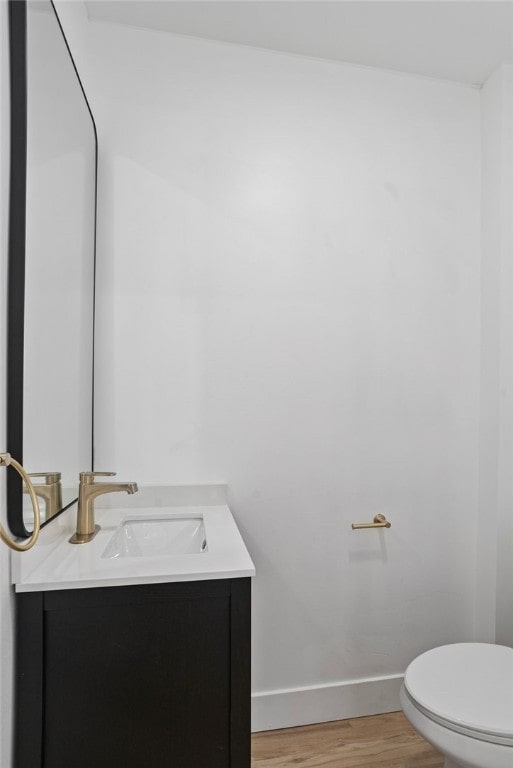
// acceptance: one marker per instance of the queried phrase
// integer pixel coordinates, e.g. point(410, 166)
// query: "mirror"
point(51, 265)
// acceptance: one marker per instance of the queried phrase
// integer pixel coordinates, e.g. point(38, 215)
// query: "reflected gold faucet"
point(50, 491)
point(88, 491)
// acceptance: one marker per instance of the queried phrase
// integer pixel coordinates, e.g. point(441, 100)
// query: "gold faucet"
point(50, 491)
point(88, 491)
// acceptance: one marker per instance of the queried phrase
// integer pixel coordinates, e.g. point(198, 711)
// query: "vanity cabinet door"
point(152, 676)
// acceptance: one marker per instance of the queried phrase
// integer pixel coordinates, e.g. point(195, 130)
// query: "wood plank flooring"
point(382, 741)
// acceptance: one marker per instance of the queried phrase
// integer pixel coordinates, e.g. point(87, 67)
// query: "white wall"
point(299, 242)
point(6, 607)
point(496, 507)
point(289, 300)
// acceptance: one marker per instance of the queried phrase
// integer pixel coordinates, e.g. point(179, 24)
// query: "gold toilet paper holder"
point(379, 521)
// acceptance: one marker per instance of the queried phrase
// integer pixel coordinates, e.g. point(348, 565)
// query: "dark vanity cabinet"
point(149, 676)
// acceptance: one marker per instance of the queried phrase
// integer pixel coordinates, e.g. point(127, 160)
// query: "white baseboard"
point(289, 707)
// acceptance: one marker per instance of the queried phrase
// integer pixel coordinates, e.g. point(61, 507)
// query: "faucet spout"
point(98, 489)
point(88, 491)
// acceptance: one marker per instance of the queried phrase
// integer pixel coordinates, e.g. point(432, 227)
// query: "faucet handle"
point(88, 477)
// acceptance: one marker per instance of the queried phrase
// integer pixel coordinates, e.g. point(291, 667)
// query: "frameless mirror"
point(51, 264)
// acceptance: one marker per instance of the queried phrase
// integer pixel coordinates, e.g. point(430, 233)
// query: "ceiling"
point(461, 40)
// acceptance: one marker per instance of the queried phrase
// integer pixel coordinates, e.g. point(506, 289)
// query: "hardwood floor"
point(382, 741)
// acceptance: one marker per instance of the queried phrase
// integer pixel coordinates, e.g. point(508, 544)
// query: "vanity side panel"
point(29, 681)
point(240, 673)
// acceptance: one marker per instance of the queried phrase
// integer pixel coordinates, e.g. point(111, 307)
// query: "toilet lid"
point(467, 686)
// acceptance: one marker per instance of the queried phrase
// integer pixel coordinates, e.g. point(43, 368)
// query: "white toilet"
point(460, 699)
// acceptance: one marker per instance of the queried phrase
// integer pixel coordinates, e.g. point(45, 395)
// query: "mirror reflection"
point(59, 276)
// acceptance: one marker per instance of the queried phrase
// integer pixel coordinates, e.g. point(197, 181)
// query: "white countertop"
point(54, 563)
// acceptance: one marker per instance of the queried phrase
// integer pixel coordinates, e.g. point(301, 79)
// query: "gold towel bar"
point(380, 521)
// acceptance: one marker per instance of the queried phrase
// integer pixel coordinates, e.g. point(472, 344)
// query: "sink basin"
point(147, 537)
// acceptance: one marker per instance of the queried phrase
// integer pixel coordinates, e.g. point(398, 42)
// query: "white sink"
point(147, 537)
